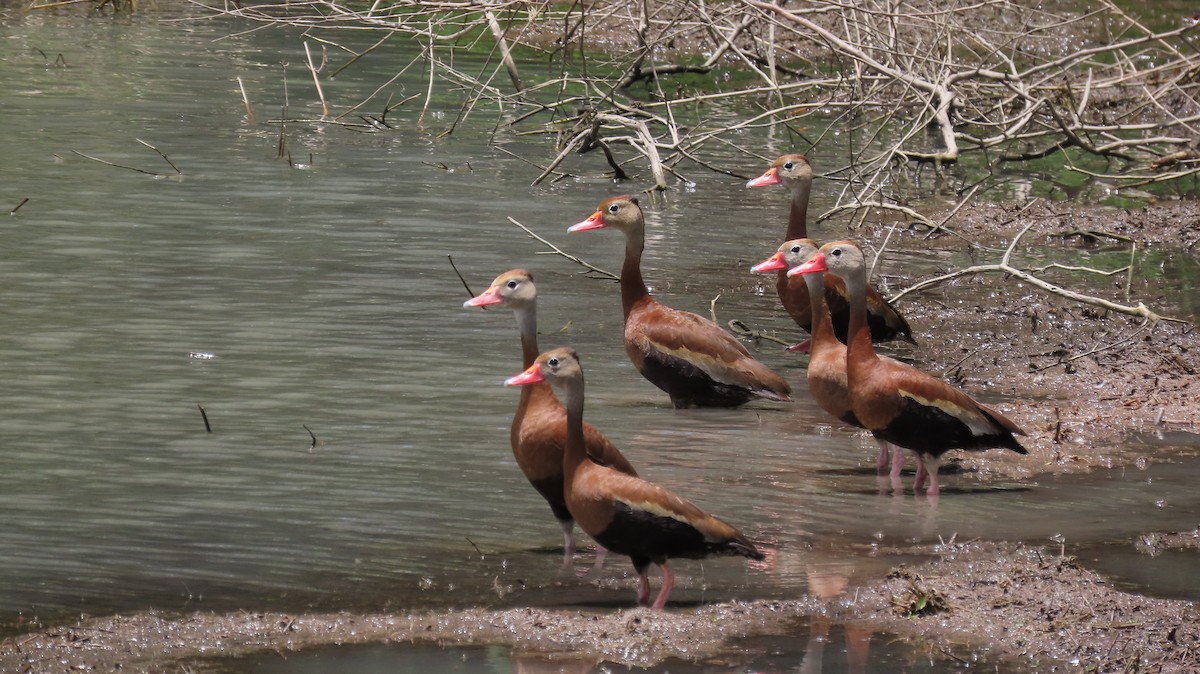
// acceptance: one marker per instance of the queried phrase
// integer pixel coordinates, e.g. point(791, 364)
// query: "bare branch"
point(592, 270)
point(1006, 267)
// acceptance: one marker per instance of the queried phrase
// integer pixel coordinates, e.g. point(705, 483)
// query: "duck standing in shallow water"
point(626, 514)
point(827, 356)
point(897, 402)
point(691, 358)
point(539, 432)
point(794, 171)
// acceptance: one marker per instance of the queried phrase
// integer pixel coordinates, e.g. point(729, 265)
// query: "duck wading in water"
point(539, 429)
point(794, 172)
point(626, 514)
point(826, 356)
point(897, 402)
point(696, 362)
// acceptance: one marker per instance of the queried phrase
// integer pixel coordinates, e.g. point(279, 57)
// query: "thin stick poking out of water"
point(476, 547)
point(160, 153)
point(317, 81)
point(18, 206)
point(134, 168)
point(460, 277)
point(246, 100)
point(108, 163)
point(204, 415)
point(594, 271)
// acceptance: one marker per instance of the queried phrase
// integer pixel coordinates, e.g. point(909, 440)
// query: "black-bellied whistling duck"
point(691, 358)
point(539, 427)
point(627, 514)
point(794, 171)
point(897, 402)
point(827, 355)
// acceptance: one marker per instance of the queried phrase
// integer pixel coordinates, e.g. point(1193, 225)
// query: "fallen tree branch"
point(505, 54)
point(915, 85)
point(1005, 267)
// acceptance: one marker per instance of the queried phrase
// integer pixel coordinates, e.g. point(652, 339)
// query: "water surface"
point(283, 298)
point(812, 648)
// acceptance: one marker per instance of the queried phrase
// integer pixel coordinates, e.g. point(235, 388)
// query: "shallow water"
point(325, 299)
point(813, 647)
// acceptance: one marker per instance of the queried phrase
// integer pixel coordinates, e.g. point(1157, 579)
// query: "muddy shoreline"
point(1077, 379)
point(1009, 601)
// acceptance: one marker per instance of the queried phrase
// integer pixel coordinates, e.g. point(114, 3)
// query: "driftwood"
point(1005, 266)
point(921, 82)
point(920, 87)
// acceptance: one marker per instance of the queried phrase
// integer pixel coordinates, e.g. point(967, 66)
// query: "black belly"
point(551, 489)
point(689, 386)
point(929, 430)
point(647, 537)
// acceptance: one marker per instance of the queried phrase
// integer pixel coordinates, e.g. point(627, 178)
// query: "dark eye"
point(553, 362)
point(512, 284)
point(836, 252)
point(789, 165)
point(613, 208)
point(795, 249)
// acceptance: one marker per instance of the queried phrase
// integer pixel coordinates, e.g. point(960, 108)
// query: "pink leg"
point(890, 480)
point(601, 555)
point(885, 451)
point(932, 469)
point(889, 485)
point(919, 481)
point(667, 583)
point(897, 461)
point(568, 529)
point(643, 590)
point(801, 347)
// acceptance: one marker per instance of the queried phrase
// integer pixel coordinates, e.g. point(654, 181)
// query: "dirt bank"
point(1034, 604)
point(1010, 601)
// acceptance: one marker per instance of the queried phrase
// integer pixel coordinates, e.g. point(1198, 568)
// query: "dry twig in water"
point(134, 168)
point(592, 270)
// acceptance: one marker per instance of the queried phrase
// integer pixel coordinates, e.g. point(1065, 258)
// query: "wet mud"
point(1012, 601)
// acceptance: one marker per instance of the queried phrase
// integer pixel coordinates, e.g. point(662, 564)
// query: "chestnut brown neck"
point(822, 323)
point(576, 452)
point(798, 216)
point(527, 327)
point(858, 336)
point(633, 286)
